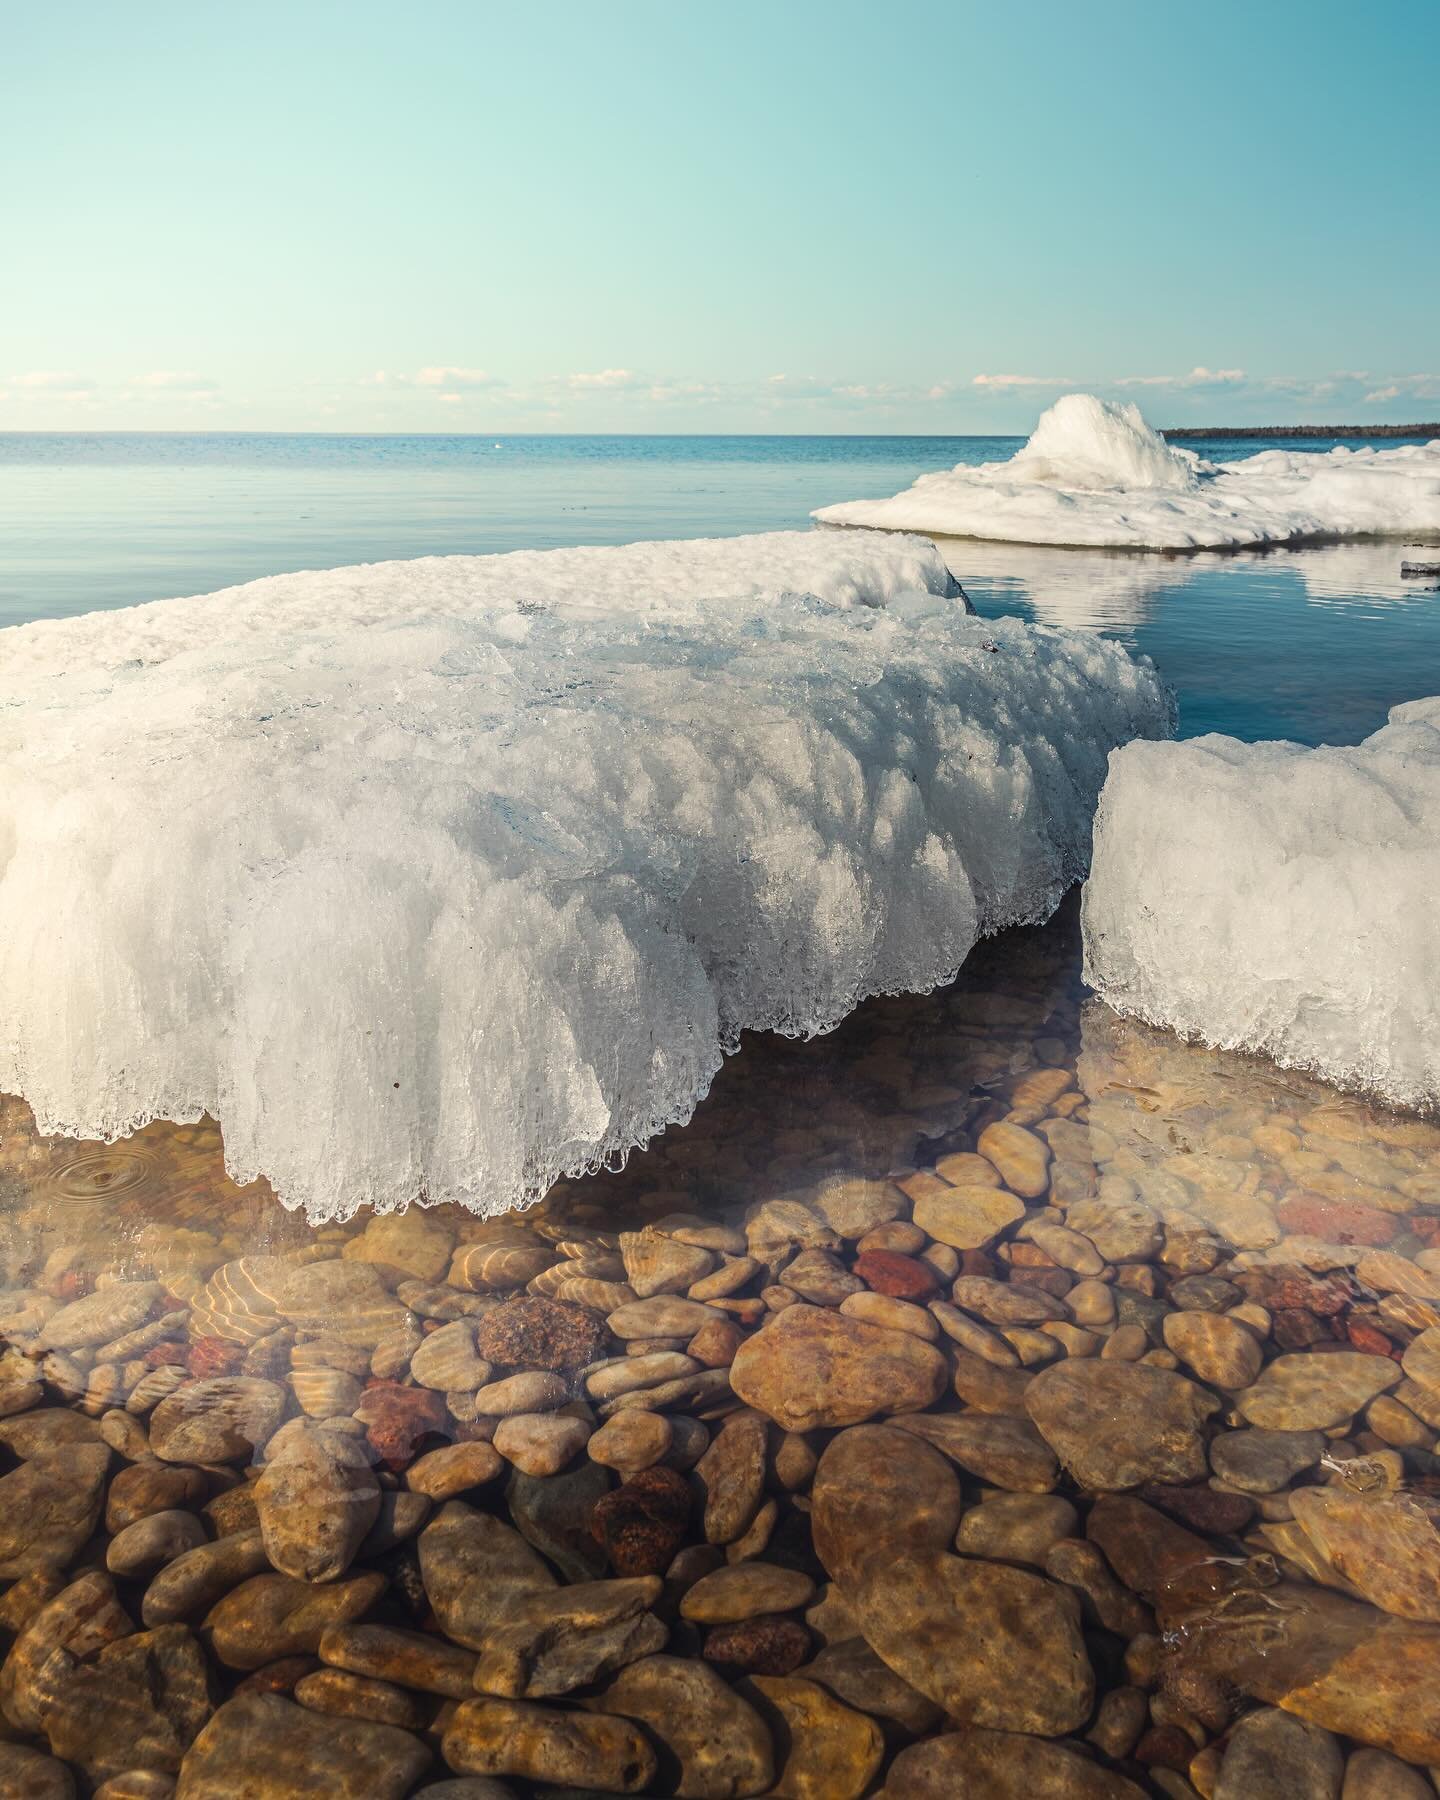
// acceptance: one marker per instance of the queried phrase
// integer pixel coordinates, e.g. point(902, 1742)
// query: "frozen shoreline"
point(1094, 474)
point(442, 880)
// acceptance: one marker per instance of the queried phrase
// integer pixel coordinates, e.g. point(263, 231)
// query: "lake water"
point(1313, 645)
point(1148, 1335)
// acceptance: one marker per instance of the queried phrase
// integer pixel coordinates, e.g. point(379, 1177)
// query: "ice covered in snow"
point(440, 879)
point(1272, 898)
point(1094, 473)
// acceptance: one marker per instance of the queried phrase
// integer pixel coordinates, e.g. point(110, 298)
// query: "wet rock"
point(533, 1332)
point(824, 1750)
point(1104, 1600)
point(540, 1443)
point(1016, 1527)
point(411, 1659)
point(190, 1585)
point(139, 1704)
point(454, 1469)
point(140, 1550)
point(712, 1744)
point(1202, 1507)
point(413, 1240)
point(852, 1206)
point(548, 1745)
point(731, 1476)
point(901, 1277)
point(554, 1513)
point(1376, 1775)
point(272, 1616)
point(398, 1420)
point(493, 1265)
point(49, 1506)
point(997, 1765)
point(820, 1277)
point(1005, 1303)
point(1263, 1462)
point(1216, 1349)
point(316, 1504)
point(346, 1696)
point(1314, 1393)
point(534, 1391)
point(1122, 1228)
point(852, 1671)
point(300, 1752)
point(152, 1487)
point(81, 1619)
point(745, 1591)
point(992, 1645)
point(1422, 1360)
point(448, 1361)
point(1005, 1452)
point(549, 1642)
point(1271, 1756)
point(776, 1227)
point(641, 1524)
point(27, 1774)
point(474, 1567)
point(1116, 1424)
point(631, 1441)
point(655, 1264)
point(1021, 1158)
point(812, 1367)
point(714, 1346)
point(967, 1217)
point(108, 1313)
point(1385, 1545)
point(237, 1303)
point(220, 1420)
point(767, 1645)
point(347, 1299)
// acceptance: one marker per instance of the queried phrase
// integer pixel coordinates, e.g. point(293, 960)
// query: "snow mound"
point(436, 881)
point(1272, 898)
point(1095, 474)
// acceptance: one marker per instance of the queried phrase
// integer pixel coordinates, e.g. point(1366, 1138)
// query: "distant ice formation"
point(438, 880)
point(1271, 898)
point(1095, 474)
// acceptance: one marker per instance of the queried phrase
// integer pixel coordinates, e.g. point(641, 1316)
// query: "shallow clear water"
point(1313, 645)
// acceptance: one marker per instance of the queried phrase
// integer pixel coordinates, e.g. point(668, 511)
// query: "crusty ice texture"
point(1271, 898)
point(1094, 473)
point(438, 880)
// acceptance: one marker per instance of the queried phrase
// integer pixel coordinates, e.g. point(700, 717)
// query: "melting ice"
point(1094, 473)
point(1272, 898)
point(438, 880)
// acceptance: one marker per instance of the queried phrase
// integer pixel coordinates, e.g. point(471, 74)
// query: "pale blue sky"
point(775, 217)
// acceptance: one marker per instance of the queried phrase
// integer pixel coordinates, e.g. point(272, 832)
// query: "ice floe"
point(438, 880)
point(1277, 899)
point(1095, 474)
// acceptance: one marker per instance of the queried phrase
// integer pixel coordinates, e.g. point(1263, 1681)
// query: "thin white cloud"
point(64, 381)
point(176, 381)
point(1003, 382)
point(1199, 377)
point(605, 378)
point(446, 375)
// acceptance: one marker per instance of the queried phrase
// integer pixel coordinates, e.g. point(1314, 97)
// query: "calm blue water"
point(1313, 645)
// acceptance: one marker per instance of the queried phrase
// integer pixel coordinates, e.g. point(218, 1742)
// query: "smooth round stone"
point(813, 1367)
point(1273, 1756)
point(1021, 1157)
point(967, 1218)
point(1421, 1360)
point(413, 1240)
point(196, 1581)
point(632, 1440)
point(548, 1745)
point(628, 1373)
point(536, 1391)
point(1016, 1527)
point(1091, 1303)
point(1263, 1462)
point(1067, 1249)
point(719, 1741)
point(1127, 1343)
point(137, 1784)
point(899, 1235)
point(448, 1361)
point(893, 1314)
point(854, 1206)
point(540, 1443)
point(1376, 1775)
point(152, 1487)
point(1001, 1765)
point(273, 1616)
point(972, 1336)
point(1001, 1303)
point(667, 1315)
point(746, 1590)
point(1315, 1393)
point(824, 1746)
point(965, 1168)
point(219, 1420)
point(316, 1504)
point(28, 1774)
point(49, 1506)
point(1122, 1228)
point(348, 1696)
point(1217, 1349)
point(150, 1543)
point(102, 1316)
point(50, 1428)
point(655, 1264)
point(1389, 1549)
point(300, 1752)
point(1116, 1424)
point(1388, 1273)
point(453, 1469)
point(410, 1659)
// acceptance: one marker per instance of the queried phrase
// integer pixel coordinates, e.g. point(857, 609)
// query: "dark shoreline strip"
point(1182, 432)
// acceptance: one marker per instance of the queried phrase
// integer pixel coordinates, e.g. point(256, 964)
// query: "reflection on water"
point(1314, 645)
point(989, 1363)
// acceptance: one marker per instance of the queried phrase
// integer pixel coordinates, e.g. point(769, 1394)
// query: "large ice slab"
point(439, 880)
point(1272, 898)
point(1094, 473)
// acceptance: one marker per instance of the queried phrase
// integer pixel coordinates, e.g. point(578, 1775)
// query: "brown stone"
point(813, 1367)
point(1315, 1393)
point(1385, 1544)
point(222, 1420)
point(716, 1740)
point(398, 1420)
point(824, 1750)
point(547, 1745)
point(998, 1765)
point(1116, 1424)
point(271, 1616)
point(731, 1476)
point(532, 1332)
point(49, 1506)
point(1005, 1452)
point(139, 1704)
point(262, 1738)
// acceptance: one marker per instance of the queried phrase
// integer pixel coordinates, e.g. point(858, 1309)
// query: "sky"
point(779, 217)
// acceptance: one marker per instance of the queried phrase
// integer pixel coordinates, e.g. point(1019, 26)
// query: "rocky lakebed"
point(995, 1398)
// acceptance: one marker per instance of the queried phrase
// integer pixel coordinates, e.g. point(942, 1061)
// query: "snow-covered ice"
point(1272, 898)
point(1094, 473)
point(441, 879)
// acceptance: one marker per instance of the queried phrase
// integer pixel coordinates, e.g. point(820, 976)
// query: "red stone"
point(977, 1262)
point(1367, 1337)
point(1294, 1328)
point(1165, 1747)
point(535, 1332)
point(208, 1356)
point(398, 1419)
point(72, 1285)
point(642, 1522)
point(901, 1277)
point(1202, 1508)
point(768, 1645)
point(1336, 1221)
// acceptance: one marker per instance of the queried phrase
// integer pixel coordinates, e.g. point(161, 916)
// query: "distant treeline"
point(1303, 431)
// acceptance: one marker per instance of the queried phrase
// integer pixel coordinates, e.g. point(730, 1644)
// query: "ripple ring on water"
point(101, 1173)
